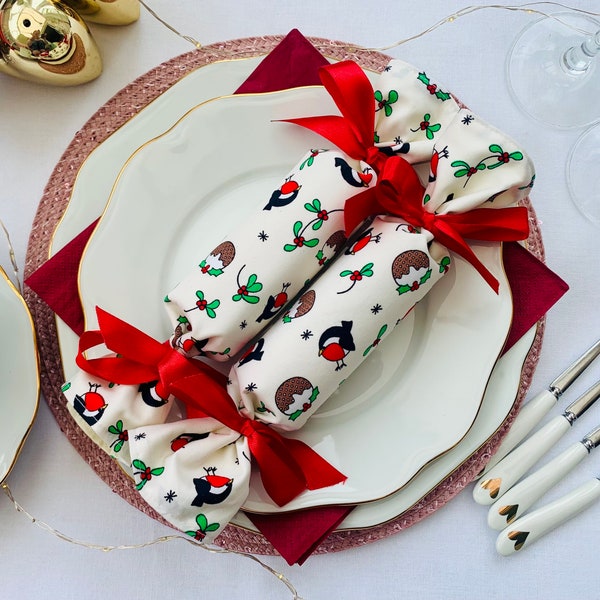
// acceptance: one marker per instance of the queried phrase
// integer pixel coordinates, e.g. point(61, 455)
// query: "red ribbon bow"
point(287, 466)
point(354, 132)
point(399, 192)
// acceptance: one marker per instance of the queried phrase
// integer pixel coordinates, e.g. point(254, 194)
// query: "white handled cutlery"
point(526, 530)
point(515, 502)
point(537, 408)
point(514, 465)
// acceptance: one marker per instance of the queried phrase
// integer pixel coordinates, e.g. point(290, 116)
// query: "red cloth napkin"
point(293, 63)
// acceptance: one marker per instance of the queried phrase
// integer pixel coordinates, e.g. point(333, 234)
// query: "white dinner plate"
point(19, 374)
point(90, 193)
point(179, 195)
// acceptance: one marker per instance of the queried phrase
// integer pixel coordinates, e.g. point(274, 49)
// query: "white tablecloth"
point(448, 555)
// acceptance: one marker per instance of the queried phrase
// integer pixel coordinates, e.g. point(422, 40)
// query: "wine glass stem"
point(577, 59)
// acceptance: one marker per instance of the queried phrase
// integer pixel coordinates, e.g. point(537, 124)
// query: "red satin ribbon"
point(398, 192)
point(287, 466)
point(354, 132)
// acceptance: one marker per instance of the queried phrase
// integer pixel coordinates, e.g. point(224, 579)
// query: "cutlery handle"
point(529, 416)
point(519, 498)
point(512, 467)
point(526, 530)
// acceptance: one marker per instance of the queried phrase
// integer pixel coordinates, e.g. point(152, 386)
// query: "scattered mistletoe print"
point(429, 128)
point(263, 409)
point(122, 435)
point(145, 473)
point(299, 229)
point(204, 527)
point(311, 159)
point(247, 292)
point(336, 343)
point(295, 396)
point(410, 270)
point(529, 185)
point(285, 195)
point(432, 88)
point(498, 158)
point(376, 341)
point(215, 263)
point(357, 275)
point(202, 304)
point(445, 264)
point(385, 104)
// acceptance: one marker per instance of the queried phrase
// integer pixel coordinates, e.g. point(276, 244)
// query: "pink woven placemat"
point(117, 111)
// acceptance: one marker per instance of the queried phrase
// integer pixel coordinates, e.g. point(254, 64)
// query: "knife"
point(519, 498)
point(537, 408)
point(526, 530)
point(514, 465)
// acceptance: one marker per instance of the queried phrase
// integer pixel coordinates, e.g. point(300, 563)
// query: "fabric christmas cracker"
point(440, 175)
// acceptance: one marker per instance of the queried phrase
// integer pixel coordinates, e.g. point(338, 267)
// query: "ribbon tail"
point(318, 472)
point(449, 238)
point(358, 208)
point(335, 129)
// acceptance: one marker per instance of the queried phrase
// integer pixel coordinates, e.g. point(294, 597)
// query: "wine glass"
point(553, 74)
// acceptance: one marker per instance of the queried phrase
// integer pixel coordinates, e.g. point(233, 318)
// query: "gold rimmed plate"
point(19, 374)
point(185, 190)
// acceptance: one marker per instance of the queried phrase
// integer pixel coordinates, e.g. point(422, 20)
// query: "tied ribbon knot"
point(287, 466)
point(399, 193)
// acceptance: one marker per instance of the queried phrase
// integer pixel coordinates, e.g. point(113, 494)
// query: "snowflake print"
point(387, 68)
point(376, 309)
point(244, 324)
point(467, 119)
point(139, 436)
point(262, 236)
point(251, 387)
point(306, 334)
point(170, 496)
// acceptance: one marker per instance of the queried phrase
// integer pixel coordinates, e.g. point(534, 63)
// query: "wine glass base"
point(583, 174)
point(540, 85)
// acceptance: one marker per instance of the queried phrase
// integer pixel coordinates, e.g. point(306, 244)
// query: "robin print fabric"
point(297, 312)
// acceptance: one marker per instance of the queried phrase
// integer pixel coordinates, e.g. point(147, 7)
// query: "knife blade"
point(515, 502)
point(539, 406)
point(530, 528)
point(514, 465)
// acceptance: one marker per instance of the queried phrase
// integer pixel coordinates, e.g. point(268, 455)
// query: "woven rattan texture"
point(117, 111)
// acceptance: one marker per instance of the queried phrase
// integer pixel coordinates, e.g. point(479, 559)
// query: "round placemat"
point(117, 111)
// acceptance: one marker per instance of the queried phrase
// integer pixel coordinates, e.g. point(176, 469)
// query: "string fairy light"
point(159, 540)
point(529, 8)
point(13, 259)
